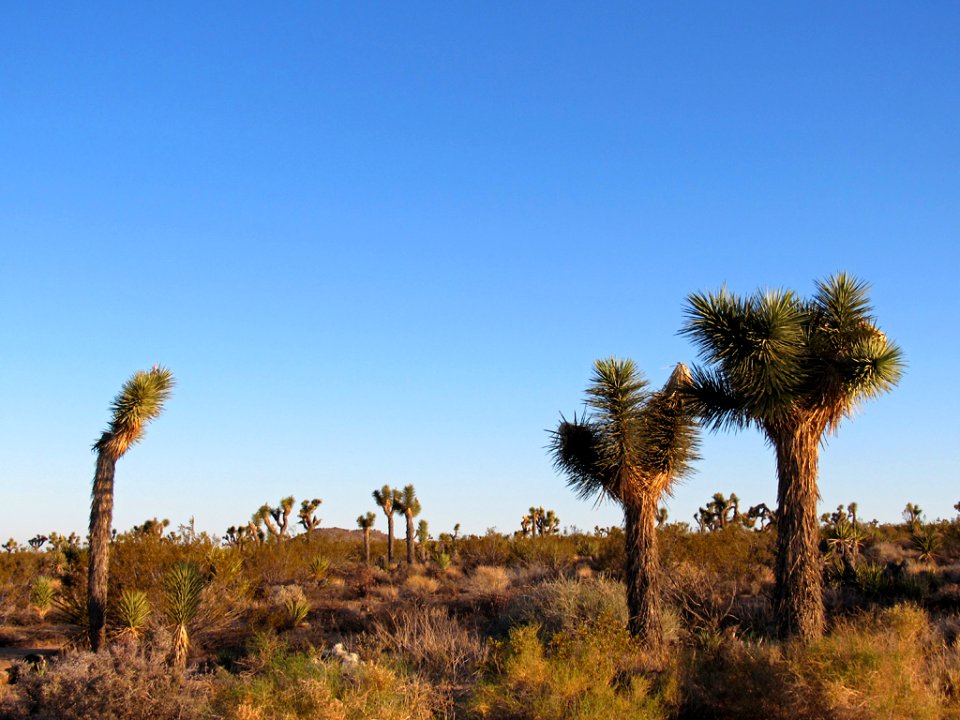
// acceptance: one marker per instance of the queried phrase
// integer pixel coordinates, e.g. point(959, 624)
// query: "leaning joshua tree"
point(793, 368)
point(386, 497)
point(408, 505)
point(140, 400)
point(633, 448)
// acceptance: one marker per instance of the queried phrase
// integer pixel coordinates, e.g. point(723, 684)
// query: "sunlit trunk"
point(410, 533)
point(643, 574)
point(798, 595)
point(101, 518)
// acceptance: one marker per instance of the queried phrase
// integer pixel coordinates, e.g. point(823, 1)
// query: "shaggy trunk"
point(643, 574)
point(798, 595)
point(366, 545)
point(101, 518)
point(390, 538)
point(409, 538)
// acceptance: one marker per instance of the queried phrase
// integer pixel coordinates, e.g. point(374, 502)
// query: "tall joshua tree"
point(386, 497)
point(140, 401)
point(365, 522)
point(793, 368)
point(633, 448)
point(408, 505)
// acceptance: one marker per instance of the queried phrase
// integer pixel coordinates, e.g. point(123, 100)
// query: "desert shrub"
point(592, 672)
point(555, 552)
point(429, 640)
point(704, 598)
point(564, 604)
point(875, 666)
point(421, 585)
point(289, 686)
point(487, 580)
point(489, 549)
point(124, 683)
point(319, 568)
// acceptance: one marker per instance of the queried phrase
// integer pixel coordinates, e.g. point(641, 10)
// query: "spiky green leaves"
point(407, 503)
point(140, 400)
point(773, 355)
point(365, 522)
point(633, 442)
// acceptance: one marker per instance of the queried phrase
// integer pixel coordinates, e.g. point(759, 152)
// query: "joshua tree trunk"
point(409, 538)
point(798, 594)
point(101, 518)
point(643, 573)
point(390, 538)
point(366, 545)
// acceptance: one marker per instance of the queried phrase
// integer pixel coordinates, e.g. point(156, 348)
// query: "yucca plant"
point(133, 612)
point(926, 540)
point(297, 609)
point(632, 450)
point(42, 595)
point(794, 368)
point(319, 568)
point(139, 402)
point(182, 590)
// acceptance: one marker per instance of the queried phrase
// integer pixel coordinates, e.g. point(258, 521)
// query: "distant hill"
point(342, 534)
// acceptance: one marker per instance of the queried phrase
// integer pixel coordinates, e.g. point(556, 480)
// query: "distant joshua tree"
point(912, 513)
point(633, 449)
point(408, 505)
point(151, 528)
point(365, 522)
point(277, 519)
point(386, 497)
point(794, 368)
point(307, 516)
point(139, 402)
point(423, 537)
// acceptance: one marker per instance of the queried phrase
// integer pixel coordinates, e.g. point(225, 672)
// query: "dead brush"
point(431, 641)
point(704, 601)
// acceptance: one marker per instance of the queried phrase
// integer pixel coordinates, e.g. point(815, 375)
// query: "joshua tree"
point(11, 545)
point(386, 497)
point(140, 400)
point(912, 514)
point(408, 505)
point(794, 368)
point(151, 528)
point(365, 522)
point(423, 537)
point(852, 509)
point(633, 449)
point(37, 541)
point(307, 516)
point(277, 518)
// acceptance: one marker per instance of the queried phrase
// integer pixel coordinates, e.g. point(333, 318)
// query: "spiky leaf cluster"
point(140, 400)
point(633, 441)
point(773, 357)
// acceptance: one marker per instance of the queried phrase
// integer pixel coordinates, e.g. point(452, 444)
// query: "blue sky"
point(384, 242)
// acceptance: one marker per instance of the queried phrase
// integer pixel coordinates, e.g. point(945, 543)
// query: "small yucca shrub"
point(182, 588)
point(319, 568)
point(42, 595)
point(132, 614)
point(927, 542)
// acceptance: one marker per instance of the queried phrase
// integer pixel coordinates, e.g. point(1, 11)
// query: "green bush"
point(588, 673)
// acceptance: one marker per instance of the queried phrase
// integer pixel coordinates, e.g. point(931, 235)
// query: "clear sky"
point(384, 242)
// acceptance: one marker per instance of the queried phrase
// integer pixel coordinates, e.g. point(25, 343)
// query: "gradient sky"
point(384, 242)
